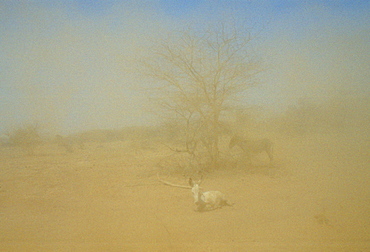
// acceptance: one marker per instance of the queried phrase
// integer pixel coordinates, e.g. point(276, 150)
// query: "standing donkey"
point(251, 147)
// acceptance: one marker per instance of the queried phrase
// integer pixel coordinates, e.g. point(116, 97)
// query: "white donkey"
point(207, 201)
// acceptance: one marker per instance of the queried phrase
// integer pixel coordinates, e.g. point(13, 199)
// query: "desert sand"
point(106, 197)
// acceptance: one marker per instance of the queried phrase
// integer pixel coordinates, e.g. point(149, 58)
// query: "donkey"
point(250, 147)
point(207, 201)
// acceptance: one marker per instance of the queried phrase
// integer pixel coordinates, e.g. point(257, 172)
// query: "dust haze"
point(81, 148)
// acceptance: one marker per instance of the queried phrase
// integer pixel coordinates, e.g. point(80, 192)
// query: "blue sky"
point(67, 65)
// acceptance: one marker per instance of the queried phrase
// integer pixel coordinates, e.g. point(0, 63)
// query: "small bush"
point(26, 137)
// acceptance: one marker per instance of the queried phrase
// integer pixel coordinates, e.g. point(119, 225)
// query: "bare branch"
point(171, 184)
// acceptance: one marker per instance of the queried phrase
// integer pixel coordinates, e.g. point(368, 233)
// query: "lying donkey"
point(207, 201)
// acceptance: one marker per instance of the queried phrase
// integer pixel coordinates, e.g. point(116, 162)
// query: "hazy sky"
point(67, 64)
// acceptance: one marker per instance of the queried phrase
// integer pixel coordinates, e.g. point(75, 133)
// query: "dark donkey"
point(251, 147)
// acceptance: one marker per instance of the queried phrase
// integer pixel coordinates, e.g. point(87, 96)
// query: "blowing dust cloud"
point(184, 126)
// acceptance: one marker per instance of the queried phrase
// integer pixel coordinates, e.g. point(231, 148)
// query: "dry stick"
point(171, 184)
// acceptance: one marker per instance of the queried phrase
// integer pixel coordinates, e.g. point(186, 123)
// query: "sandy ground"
point(106, 197)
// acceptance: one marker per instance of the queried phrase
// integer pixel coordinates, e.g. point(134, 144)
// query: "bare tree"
point(200, 76)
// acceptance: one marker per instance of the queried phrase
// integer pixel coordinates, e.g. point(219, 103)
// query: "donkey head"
point(197, 194)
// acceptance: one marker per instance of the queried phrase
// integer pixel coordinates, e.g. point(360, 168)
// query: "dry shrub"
point(26, 137)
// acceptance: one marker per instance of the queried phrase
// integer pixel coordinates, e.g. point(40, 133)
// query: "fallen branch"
point(171, 184)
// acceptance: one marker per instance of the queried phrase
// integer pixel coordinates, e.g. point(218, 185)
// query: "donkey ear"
point(191, 183)
point(200, 180)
